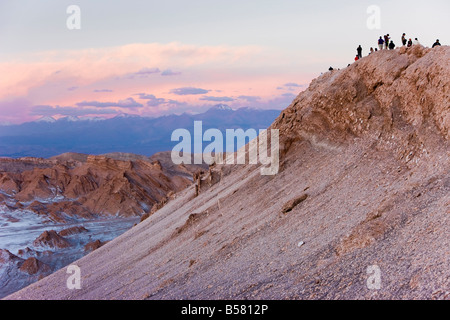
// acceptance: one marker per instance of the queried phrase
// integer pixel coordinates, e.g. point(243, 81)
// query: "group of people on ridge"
point(385, 42)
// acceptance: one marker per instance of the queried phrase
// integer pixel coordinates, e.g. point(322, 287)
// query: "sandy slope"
point(368, 145)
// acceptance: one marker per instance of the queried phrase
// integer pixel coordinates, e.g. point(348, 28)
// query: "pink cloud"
point(50, 78)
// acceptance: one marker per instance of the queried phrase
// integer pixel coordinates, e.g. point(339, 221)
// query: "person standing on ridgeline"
point(436, 43)
point(404, 39)
point(359, 50)
point(416, 41)
point(391, 45)
point(386, 41)
point(380, 43)
point(410, 43)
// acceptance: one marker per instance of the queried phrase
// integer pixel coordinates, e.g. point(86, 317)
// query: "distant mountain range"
point(47, 137)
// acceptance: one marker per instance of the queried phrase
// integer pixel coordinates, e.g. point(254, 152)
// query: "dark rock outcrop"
point(94, 245)
point(51, 239)
point(33, 266)
point(72, 231)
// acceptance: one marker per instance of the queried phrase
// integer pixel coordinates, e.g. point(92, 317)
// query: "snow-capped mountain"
point(221, 107)
point(46, 119)
point(70, 119)
point(92, 119)
point(127, 116)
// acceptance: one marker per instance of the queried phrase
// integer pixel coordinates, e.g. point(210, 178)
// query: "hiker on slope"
point(410, 43)
point(391, 45)
point(380, 43)
point(386, 41)
point(437, 43)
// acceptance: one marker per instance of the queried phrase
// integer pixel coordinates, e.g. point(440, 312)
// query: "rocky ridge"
point(90, 186)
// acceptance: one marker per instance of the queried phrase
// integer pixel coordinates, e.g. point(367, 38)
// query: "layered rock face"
point(89, 186)
point(400, 97)
point(51, 239)
point(33, 266)
point(364, 185)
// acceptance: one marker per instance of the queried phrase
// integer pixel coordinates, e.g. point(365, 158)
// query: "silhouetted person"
point(380, 43)
point(404, 39)
point(410, 43)
point(391, 45)
point(386, 41)
point(436, 43)
point(330, 69)
point(359, 50)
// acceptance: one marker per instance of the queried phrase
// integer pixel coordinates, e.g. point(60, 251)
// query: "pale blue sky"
point(288, 25)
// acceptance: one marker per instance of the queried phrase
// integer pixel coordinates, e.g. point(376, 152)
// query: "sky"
point(153, 58)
